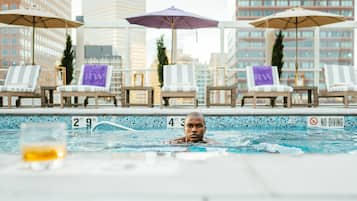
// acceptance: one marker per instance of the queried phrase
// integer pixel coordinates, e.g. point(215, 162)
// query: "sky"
point(198, 43)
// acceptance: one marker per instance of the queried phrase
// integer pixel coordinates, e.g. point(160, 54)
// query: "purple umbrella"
point(172, 18)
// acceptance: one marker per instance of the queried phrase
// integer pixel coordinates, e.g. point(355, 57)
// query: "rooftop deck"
point(183, 176)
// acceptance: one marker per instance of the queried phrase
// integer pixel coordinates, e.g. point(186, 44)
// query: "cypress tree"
point(161, 58)
point(67, 59)
point(278, 52)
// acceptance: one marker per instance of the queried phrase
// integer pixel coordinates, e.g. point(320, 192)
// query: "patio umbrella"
point(172, 18)
point(35, 18)
point(297, 18)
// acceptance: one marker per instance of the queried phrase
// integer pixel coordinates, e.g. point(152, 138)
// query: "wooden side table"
point(311, 94)
point(125, 100)
point(233, 94)
point(47, 98)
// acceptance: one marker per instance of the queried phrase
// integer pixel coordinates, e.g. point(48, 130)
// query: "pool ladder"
point(112, 124)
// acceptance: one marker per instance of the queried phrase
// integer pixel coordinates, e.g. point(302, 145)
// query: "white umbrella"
point(297, 18)
point(35, 18)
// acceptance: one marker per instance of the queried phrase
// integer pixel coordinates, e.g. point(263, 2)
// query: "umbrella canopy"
point(297, 18)
point(35, 18)
point(172, 18)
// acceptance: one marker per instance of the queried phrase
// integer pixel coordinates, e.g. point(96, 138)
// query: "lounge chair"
point(94, 81)
point(263, 82)
point(20, 81)
point(179, 82)
point(340, 81)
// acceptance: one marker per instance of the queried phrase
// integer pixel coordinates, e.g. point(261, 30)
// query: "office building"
point(336, 45)
point(111, 13)
point(16, 42)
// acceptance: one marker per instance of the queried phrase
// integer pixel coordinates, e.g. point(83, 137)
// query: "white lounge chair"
point(20, 81)
point(263, 82)
point(94, 81)
point(179, 82)
point(340, 81)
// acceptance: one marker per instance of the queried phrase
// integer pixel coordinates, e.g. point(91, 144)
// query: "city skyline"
point(192, 42)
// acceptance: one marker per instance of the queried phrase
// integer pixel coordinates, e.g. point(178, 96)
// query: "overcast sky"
point(198, 43)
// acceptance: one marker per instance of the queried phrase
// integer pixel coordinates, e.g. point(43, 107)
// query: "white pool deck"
point(212, 176)
point(183, 176)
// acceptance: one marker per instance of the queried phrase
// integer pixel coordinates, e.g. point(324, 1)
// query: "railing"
point(219, 76)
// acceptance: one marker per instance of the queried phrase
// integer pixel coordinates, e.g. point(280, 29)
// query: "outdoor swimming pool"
point(245, 141)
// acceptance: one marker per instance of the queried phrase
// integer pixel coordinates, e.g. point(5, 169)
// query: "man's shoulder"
point(178, 140)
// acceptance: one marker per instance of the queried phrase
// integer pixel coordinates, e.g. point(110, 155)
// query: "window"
point(13, 6)
point(346, 3)
point(256, 2)
point(255, 13)
point(308, 3)
point(268, 2)
point(321, 3)
point(243, 3)
point(4, 52)
point(346, 13)
point(4, 6)
point(243, 13)
point(295, 3)
point(282, 3)
point(268, 12)
point(334, 2)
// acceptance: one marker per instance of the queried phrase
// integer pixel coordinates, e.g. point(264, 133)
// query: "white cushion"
point(2, 88)
point(25, 77)
point(179, 88)
point(18, 89)
point(271, 88)
point(81, 88)
point(343, 88)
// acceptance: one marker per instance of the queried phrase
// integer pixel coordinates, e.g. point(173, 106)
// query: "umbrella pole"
point(296, 53)
point(33, 41)
point(173, 41)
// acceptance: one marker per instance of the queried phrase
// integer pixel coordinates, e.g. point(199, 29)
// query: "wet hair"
point(196, 115)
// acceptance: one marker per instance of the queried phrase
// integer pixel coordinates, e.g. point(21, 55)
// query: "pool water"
point(234, 141)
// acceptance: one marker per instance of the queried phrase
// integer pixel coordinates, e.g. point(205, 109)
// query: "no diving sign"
point(325, 122)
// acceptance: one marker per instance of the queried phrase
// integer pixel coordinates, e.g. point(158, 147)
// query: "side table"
point(233, 94)
point(47, 95)
point(311, 94)
point(125, 101)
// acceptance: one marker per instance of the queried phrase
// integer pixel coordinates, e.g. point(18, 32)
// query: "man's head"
point(195, 127)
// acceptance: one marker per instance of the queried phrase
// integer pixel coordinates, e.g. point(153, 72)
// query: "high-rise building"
point(16, 42)
point(336, 46)
point(111, 13)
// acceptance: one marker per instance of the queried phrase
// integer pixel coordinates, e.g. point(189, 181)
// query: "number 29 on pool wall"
point(175, 122)
point(83, 122)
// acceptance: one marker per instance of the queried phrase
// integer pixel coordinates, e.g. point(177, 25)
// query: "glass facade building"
point(16, 41)
point(336, 45)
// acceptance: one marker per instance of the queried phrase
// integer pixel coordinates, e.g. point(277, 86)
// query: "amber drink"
point(43, 146)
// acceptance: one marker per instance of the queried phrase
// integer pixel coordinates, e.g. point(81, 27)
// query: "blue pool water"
point(234, 141)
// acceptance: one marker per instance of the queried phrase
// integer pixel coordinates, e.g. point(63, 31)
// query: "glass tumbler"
point(43, 145)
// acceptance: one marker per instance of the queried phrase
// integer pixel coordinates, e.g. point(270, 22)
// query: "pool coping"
point(183, 111)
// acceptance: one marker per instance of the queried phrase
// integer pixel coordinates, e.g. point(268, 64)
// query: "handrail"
point(112, 124)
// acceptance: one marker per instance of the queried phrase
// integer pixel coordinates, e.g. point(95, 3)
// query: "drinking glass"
point(43, 145)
